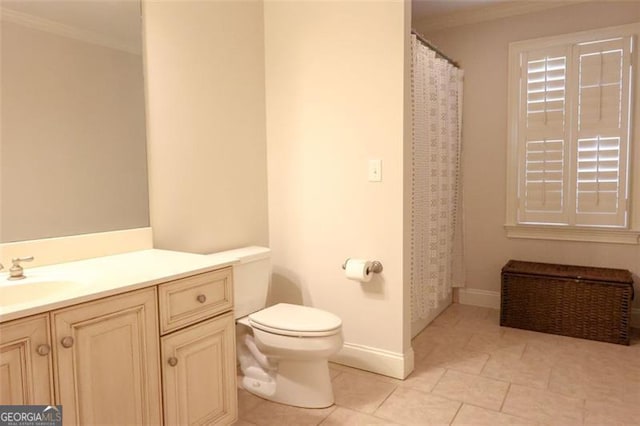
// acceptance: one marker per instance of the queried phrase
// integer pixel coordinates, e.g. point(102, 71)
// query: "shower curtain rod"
point(435, 49)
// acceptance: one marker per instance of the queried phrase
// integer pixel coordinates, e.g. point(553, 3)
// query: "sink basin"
point(19, 293)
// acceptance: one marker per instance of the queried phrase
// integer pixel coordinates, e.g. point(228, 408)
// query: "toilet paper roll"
point(356, 270)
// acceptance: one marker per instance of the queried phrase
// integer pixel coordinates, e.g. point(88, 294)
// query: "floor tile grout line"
point(495, 379)
point(475, 404)
point(505, 397)
point(448, 398)
point(437, 395)
point(357, 410)
point(456, 414)
point(384, 400)
point(551, 368)
point(483, 407)
point(486, 361)
point(469, 339)
point(485, 364)
point(337, 375)
point(373, 414)
point(499, 412)
point(526, 344)
point(444, 373)
point(335, 407)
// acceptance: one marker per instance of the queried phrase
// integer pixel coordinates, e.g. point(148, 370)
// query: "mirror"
point(73, 137)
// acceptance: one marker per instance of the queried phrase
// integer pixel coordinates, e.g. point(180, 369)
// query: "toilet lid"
point(295, 320)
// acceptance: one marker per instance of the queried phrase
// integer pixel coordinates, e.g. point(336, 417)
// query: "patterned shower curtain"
point(436, 213)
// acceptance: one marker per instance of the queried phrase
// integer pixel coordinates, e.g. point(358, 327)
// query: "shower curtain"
point(436, 214)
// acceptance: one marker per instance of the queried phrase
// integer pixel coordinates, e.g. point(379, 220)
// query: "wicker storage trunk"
point(577, 301)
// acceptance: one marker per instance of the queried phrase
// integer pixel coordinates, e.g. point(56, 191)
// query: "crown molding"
point(488, 13)
point(53, 27)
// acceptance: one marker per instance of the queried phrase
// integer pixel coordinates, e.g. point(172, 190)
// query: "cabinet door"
point(107, 360)
point(25, 362)
point(199, 374)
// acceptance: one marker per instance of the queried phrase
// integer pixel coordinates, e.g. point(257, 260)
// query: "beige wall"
point(482, 51)
point(73, 137)
point(335, 96)
point(206, 124)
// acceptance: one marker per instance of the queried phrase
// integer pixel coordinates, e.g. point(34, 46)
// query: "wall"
point(335, 98)
point(206, 124)
point(482, 50)
point(73, 137)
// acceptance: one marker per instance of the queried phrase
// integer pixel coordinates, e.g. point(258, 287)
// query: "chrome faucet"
point(16, 272)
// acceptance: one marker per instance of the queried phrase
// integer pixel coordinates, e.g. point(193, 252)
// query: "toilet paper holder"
point(376, 266)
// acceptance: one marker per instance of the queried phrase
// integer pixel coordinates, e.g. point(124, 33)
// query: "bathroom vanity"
point(138, 338)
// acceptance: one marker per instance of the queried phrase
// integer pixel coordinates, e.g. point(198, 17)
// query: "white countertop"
point(91, 279)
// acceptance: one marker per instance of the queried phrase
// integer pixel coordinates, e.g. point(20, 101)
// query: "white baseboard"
point(475, 297)
point(491, 299)
point(376, 360)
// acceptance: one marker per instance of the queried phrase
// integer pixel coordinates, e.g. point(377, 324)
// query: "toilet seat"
point(295, 320)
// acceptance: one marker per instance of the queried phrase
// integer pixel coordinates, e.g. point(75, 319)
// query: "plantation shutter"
point(544, 145)
point(573, 134)
point(602, 131)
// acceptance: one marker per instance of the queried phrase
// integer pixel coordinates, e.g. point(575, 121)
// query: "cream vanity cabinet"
point(107, 360)
point(198, 349)
point(25, 362)
point(108, 356)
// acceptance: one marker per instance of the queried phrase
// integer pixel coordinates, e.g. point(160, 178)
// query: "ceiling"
point(421, 9)
point(117, 19)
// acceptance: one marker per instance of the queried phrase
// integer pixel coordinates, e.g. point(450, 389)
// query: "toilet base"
point(305, 384)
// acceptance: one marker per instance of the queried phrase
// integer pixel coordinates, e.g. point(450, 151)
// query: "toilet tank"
point(251, 277)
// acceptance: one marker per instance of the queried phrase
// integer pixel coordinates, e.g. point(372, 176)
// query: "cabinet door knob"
point(43, 349)
point(201, 298)
point(173, 361)
point(67, 342)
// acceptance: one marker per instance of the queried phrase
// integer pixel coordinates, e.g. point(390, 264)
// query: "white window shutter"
point(543, 123)
point(602, 131)
point(570, 153)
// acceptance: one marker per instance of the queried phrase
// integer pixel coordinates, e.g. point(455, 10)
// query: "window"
point(570, 136)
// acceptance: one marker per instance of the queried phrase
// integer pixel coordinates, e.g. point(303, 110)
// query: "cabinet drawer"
point(192, 299)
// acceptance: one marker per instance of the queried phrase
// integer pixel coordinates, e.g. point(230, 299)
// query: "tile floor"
point(469, 370)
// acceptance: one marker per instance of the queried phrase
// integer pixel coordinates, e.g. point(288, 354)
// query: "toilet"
point(283, 350)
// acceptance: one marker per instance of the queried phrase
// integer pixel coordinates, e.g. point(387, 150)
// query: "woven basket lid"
point(568, 271)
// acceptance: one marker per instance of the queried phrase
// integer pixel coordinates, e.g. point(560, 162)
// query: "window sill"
point(564, 233)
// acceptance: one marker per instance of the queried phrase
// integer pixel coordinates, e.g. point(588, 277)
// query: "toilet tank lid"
point(246, 254)
point(287, 317)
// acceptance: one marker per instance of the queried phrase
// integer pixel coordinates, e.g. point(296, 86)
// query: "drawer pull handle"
point(67, 342)
point(201, 298)
point(173, 361)
point(43, 349)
